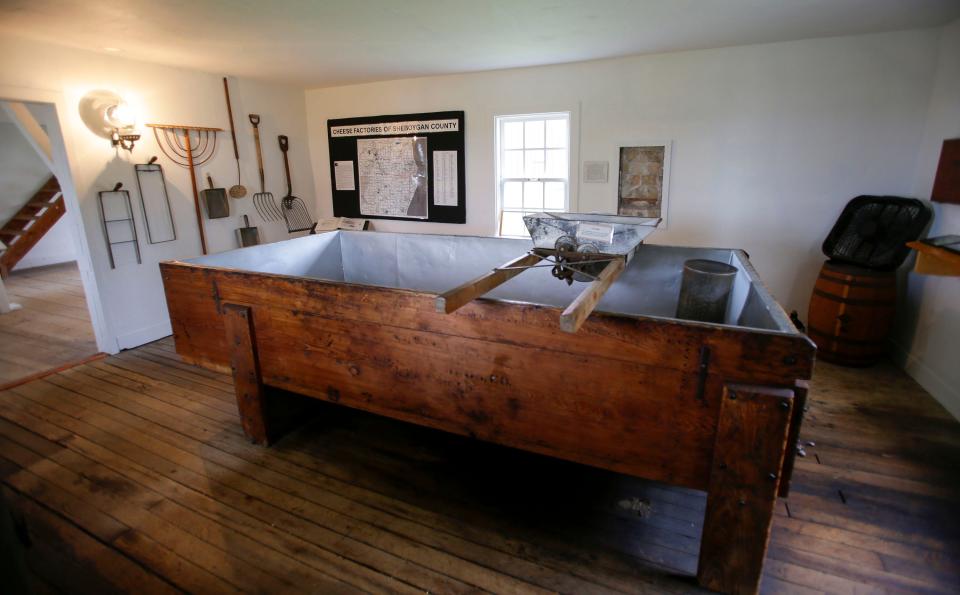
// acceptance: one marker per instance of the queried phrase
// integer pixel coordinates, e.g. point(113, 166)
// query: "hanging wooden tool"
point(238, 190)
point(189, 147)
point(295, 212)
point(263, 200)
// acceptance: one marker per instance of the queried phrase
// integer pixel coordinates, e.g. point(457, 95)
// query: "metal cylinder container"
point(705, 290)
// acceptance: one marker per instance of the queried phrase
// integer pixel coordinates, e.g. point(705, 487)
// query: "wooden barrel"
point(851, 312)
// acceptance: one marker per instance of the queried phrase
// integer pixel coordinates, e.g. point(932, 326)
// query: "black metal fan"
point(872, 231)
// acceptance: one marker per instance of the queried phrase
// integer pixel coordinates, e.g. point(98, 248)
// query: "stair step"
point(34, 220)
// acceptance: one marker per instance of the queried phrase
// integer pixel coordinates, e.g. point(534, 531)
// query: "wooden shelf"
point(932, 260)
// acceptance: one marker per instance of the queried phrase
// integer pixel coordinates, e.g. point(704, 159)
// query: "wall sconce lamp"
point(121, 118)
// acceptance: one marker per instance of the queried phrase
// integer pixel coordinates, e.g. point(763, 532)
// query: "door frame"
point(60, 146)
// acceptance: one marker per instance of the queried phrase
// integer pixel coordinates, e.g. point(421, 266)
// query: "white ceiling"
point(332, 42)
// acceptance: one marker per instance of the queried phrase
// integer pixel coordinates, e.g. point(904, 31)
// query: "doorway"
point(46, 306)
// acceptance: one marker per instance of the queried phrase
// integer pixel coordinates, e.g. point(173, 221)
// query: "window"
point(533, 163)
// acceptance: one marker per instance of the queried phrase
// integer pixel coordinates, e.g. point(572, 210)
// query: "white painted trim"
point(6, 306)
point(667, 158)
point(573, 156)
point(43, 262)
point(573, 176)
point(106, 341)
point(946, 395)
point(144, 335)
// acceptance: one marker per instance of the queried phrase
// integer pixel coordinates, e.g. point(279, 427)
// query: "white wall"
point(929, 325)
point(769, 141)
point(132, 296)
point(56, 246)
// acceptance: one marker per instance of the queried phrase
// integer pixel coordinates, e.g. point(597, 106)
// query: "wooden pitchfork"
point(263, 200)
point(294, 210)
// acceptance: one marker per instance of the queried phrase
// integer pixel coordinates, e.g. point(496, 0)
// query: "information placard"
point(404, 166)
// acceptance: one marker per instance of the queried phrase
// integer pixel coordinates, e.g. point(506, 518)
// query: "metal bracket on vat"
point(704, 369)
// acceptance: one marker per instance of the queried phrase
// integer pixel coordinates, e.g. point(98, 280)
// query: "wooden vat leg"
point(449, 301)
point(744, 478)
point(251, 394)
point(265, 412)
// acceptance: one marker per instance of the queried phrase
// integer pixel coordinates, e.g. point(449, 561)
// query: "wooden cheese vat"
point(351, 318)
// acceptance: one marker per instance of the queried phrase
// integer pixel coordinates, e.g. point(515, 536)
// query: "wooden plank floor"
point(131, 474)
point(53, 326)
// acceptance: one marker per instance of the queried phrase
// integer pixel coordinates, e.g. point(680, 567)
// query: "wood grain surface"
point(627, 394)
point(132, 473)
point(53, 326)
point(744, 478)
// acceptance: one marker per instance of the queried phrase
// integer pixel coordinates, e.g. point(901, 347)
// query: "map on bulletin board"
point(406, 166)
point(393, 176)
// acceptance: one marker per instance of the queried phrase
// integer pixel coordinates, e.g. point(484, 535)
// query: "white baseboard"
point(144, 335)
point(32, 263)
point(931, 381)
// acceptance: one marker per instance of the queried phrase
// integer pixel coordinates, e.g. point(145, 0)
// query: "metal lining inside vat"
point(649, 286)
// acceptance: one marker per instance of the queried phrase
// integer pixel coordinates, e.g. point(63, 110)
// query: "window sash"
point(564, 180)
point(544, 181)
point(522, 149)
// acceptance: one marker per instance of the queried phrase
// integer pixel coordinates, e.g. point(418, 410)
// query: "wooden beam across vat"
point(572, 318)
point(578, 310)
point(449, 301)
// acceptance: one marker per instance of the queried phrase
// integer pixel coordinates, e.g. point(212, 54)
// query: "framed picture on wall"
point(643, 179)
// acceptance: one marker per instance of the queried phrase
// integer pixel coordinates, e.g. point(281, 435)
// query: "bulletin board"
point(407, 167)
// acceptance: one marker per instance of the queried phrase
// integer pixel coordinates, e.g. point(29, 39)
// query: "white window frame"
point(499, 122)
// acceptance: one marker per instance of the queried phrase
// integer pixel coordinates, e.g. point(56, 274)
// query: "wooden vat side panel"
point(737, 355)
point(800, 392)
point(622, 416)
point(193, 304)
point(744, 479)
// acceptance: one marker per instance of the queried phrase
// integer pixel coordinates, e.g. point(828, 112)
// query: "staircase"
point(24, 230)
